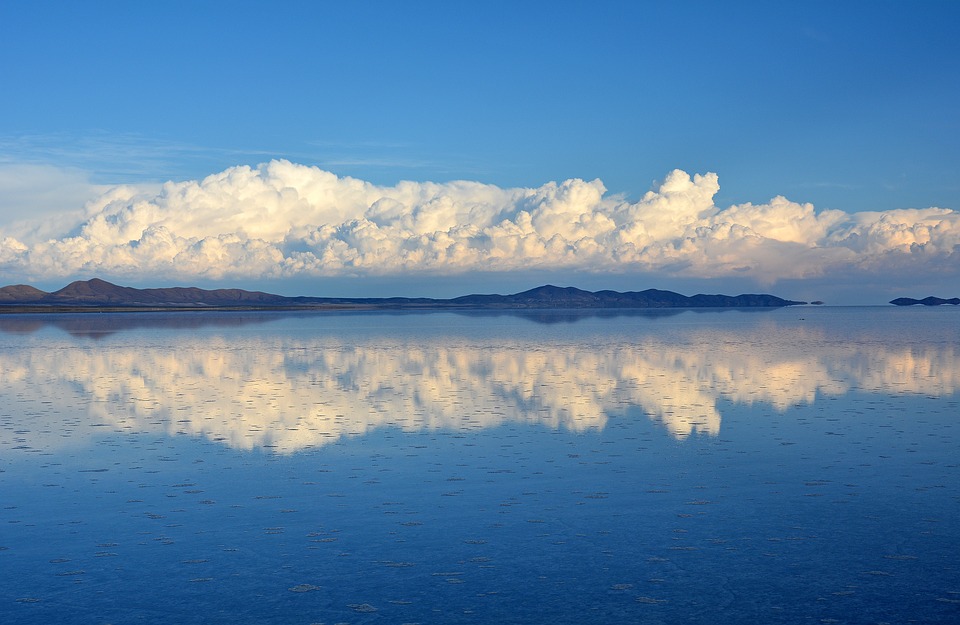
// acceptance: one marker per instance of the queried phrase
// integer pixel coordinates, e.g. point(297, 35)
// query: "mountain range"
point(96, 293)
point(927, 301)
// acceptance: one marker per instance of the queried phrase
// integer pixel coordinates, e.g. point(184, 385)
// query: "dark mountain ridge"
point(98, 293)
point(927, 301)
point(549, 296)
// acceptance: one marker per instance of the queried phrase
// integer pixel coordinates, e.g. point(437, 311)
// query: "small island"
point(927, 301)
point(100, 295)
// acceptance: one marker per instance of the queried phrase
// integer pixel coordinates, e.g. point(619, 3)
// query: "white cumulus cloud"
point(281, 219)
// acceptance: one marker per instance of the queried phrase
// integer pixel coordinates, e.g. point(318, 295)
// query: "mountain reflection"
point(291, 391)
point(99, 325)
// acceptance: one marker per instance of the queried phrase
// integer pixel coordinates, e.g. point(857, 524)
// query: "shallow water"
point(797, 465)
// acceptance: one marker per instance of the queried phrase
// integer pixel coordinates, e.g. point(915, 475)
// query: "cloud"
point(117, 157)
point(283, 220)
point(39, 201)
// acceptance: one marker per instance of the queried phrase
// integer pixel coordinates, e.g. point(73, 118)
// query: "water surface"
point(788, 466)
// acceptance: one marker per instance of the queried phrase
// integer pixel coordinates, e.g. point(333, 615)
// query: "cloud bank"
point(284, 220)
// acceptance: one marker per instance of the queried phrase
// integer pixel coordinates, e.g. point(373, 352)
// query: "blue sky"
point(848, 106)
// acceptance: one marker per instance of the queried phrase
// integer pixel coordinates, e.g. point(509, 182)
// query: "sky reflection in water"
point(789, 465)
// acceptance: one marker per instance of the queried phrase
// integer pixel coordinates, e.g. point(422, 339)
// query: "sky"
point(805, 149)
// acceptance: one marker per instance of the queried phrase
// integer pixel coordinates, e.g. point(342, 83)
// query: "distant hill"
point(20, 293)
point(96, 293)
point(927, 301)
point(550, 296)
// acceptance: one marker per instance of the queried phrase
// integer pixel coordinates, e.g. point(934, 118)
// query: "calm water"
point(786, 466)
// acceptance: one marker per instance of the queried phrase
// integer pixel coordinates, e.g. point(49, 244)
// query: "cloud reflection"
point(289, 392)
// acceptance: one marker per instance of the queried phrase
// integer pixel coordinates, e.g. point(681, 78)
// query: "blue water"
point(786, 466)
